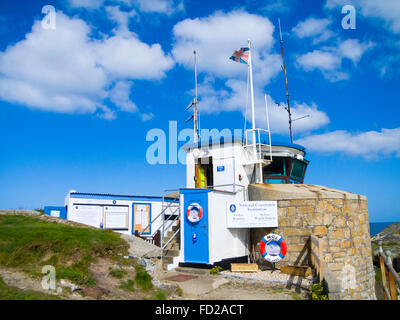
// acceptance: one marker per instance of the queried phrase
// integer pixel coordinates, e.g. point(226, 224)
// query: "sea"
point(376, 227)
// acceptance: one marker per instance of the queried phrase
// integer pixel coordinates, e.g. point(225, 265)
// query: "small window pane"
point(297, 169)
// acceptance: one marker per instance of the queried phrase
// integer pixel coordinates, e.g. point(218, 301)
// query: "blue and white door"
point(195, 216)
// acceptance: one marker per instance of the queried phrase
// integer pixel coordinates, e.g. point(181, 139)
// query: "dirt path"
point(200, 285)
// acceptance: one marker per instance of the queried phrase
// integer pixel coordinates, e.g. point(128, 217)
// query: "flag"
point(241, 55)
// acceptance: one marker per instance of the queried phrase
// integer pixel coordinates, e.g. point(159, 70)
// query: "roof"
point(238, 139)
point(119, 197)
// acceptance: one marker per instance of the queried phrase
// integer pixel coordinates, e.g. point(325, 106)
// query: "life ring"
point(273, 247)
point(194, 212)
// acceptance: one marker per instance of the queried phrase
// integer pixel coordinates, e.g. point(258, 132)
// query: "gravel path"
point(273, 277)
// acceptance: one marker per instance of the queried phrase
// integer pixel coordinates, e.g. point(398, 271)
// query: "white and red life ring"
point(194, 212)
point(273, 247)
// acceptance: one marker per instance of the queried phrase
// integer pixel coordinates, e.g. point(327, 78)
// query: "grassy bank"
point(28, 243)
point(12, 293)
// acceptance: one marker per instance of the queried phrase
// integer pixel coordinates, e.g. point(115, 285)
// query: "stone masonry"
point(339, 217)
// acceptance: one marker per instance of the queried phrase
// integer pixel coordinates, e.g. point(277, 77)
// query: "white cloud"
point(369, 145)
point(317, 59)
point(53, 69)
point(353, 49)
point(217, 36)
point(314, 28)
point(280, 6)
point(329, 59)
point(125, 56)
point(234, 96)
point(160, 6)
point(63, 70)
point(119, 95)
point(387, 11)
point(88, 4)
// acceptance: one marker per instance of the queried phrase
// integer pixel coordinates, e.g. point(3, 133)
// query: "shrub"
point(318, 292)
point(216, 270)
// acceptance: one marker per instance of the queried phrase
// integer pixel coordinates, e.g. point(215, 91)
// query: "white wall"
point(97, 206)
point(224, 243)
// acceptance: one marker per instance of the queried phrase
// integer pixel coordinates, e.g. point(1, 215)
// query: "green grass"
point(117, 273)
point(12, 293)
point(142, 278)
point(160, 295)
point(28, 243)
point(127, 285)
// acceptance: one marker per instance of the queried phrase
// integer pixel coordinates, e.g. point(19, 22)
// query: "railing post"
point(163, 221)
point(386, 293)
point(392, 283)
point(321, 258)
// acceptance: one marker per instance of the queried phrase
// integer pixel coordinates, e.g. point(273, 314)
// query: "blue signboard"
point(220, 168)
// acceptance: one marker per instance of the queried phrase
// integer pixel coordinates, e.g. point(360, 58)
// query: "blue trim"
point(212, 140)
point(63, 211)
point(133, 217)
point(119, 197)
point(193, 190)
point(232, 139)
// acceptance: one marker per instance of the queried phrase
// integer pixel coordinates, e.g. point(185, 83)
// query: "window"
point(278, 166)
point(297, 169)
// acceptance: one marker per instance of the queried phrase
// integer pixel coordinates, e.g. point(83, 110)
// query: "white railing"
point(260, 147)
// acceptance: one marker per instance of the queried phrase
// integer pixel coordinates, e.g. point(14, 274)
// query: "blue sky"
point(77, 101)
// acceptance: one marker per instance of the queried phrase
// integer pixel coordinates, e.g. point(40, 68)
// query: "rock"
point(141, 249)
point(95, 292)
point(72, 286)
point(389, 238)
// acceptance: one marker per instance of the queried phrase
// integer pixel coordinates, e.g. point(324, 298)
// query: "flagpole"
point(252, 94)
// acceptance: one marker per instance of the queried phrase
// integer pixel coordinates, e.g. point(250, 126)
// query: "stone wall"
point(340, 217)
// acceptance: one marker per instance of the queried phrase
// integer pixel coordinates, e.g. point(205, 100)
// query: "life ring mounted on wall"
point(273, 247)
point(194, 213)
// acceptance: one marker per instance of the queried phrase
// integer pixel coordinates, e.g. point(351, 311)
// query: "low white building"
point(123, 213)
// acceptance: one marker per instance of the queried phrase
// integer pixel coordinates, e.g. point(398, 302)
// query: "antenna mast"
point(195, 111)
point(193, 104)
point(286, 84)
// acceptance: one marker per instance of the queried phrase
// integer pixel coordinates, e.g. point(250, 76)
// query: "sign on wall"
point(141, 217)
point(116, 217)
point(55, 213)
point(252, 214)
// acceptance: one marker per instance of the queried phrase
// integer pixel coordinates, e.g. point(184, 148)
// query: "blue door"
point(195, 216)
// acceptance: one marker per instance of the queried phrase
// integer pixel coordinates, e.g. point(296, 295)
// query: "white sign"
point(252, 214)
point(55, 213)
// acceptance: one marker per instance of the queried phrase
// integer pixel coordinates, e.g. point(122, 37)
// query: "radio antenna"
point(286, 84)
point(193, 104)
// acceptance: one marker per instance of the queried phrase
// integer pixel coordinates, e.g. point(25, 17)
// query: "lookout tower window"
point(297, 169)
point(278, 167)
point(284, 170)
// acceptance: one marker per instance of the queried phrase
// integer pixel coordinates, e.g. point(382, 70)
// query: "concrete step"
point(170, 253)
point(167, 260)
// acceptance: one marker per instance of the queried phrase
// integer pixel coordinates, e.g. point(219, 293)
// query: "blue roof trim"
point(289, 145)
point(223, 140)
point(211, 141)
point(80, 195)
